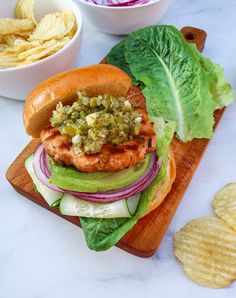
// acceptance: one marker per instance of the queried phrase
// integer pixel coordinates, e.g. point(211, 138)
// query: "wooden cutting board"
point(143, 239)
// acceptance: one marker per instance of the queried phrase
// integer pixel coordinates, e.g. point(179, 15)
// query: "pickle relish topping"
point(92, 122)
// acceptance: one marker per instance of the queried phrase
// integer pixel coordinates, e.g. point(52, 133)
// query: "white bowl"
point(123, 20)
point(17, 82)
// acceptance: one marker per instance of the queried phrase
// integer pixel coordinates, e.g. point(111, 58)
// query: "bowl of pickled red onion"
point(123, 16)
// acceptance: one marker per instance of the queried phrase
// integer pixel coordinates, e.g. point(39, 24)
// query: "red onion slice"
point(117, 3)
point(41, 168)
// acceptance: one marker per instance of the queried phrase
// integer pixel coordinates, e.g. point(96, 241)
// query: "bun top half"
point(94, 80)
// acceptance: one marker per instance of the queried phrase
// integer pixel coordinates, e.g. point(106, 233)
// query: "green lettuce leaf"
point(117, 57)
point(164, 131)
point(220, 89)
point(101, 234)
point(178, 82)
point(176, 87)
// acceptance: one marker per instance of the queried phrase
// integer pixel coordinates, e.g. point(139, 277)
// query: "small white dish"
point(16, 83)
point(123, 20)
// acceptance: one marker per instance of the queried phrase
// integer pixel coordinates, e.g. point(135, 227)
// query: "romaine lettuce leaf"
point(178, 82)
point(220, 89)
point(101, 234)
point(164, 131)
point(176, 86)
point(117, 57)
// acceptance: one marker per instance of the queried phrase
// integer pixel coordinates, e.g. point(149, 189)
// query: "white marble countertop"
point(42, 255)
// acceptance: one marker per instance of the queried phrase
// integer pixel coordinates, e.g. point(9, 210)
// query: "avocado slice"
point(71, 179)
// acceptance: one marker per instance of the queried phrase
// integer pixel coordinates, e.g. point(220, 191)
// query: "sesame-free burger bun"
point(94, 80)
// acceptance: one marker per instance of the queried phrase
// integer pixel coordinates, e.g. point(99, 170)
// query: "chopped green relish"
point(92, 122)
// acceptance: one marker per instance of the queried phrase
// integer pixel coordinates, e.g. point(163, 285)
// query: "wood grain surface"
point(143, 239)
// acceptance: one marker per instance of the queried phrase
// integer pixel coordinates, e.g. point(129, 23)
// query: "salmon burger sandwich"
point(101, 157)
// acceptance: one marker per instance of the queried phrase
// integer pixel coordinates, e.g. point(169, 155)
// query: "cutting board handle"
point(195, 35)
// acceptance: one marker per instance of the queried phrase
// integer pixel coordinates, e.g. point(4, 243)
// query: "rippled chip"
point(42, 51)
point(224, 204)
point(20, 45)
point(3, 47)
point(24, 34)
point(10, 39)
point(25, 10)
point(49, 48)
point(14, 42)
point(207, 249)
point(14, 26)
point(8, 61)
point(70, 23)
point(34, 51)
point(51, 26)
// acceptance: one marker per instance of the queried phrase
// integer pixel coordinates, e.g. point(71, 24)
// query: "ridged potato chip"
point(3, 47)
point(10, 39)
point(25, 10)
point(47, 49)
point(51, 26)
point(224, 204)
point(70, 23)
point(35, 50)
point(14, 26)
point(19, 46)
point(24, 34)
point(8, 61)
point(207, 249)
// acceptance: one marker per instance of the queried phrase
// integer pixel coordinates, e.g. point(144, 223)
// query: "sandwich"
point(102, 157)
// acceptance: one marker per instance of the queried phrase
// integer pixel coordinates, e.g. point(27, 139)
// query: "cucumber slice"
point(73, 206)
point(132, 203)
point(50, 196)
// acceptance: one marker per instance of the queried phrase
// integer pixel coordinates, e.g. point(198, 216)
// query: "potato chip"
point(13, 26)
point(10, 39)
point(35, 50)
point(49, 48)
point(24, 43)
point(207, 249)
point(8, 61)
point(3, 46)
point(20, 46)
point(25, 10)
point(224, 204)
point(70, 23)
point(51, 26)
point(24, 34)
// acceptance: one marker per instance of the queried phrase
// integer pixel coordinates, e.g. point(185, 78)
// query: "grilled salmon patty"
point(111, 157)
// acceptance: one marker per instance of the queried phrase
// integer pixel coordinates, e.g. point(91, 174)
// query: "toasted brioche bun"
point(163, 188)
point(95, 80)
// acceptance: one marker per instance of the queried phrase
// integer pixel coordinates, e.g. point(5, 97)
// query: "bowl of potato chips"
point(38, 38)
